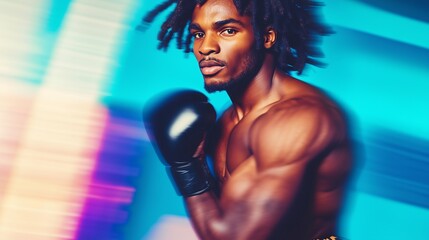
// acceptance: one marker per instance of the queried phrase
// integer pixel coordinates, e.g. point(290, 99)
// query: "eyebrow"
point(194, 26)
point(221, 23)
point(218, 24)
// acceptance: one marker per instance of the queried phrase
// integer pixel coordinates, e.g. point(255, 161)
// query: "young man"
point(281, 151)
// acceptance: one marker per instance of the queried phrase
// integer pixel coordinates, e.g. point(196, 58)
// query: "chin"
point(214, 85)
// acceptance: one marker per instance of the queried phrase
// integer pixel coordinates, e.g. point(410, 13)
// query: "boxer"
point(281, 151)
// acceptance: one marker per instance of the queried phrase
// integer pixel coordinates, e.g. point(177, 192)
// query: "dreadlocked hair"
point(296, 23)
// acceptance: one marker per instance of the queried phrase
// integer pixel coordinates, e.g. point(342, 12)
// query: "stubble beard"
point(253, 63)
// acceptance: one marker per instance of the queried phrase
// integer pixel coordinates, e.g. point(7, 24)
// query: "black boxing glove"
point(177, 124)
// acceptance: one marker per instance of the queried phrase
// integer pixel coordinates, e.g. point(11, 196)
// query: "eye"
point(198, 35)
point(229, 32)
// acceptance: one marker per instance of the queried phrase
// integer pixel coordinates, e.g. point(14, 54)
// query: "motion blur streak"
point(52, 166)
point(19, 41)
point(51, 133)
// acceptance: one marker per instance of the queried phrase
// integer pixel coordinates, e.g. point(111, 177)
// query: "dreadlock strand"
point(166, 26)
point(164, 44)
point(179, 27)
point(267, 11)
point(188, 43)
point(201, 2)
point(188, 7)
point(278, 6)
point(170, 27)
point(238, 5)
point(256, 23)
point(180, 33)
point(157, 10)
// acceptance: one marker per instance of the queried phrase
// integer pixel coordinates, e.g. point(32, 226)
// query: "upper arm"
point(283, 144)
point(287, 141)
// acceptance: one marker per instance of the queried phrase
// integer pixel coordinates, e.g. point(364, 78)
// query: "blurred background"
point(75, 161)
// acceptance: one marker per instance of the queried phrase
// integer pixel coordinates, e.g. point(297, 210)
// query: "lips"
point(211, 67)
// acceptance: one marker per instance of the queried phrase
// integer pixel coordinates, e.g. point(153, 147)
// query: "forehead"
point(216, 10)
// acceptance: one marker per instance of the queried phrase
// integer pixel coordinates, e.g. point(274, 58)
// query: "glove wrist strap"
point(192, 178)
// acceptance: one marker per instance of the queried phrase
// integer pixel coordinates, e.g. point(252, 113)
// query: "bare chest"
point(232, 149)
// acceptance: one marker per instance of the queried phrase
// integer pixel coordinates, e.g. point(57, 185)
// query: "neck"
point(258, 93)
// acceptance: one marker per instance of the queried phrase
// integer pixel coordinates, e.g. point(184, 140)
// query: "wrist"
point(192, 178)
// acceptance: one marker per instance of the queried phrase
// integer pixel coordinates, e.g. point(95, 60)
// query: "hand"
point(177, 124)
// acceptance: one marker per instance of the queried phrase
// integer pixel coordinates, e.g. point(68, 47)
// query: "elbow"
point(222, 230)
point(219, 230)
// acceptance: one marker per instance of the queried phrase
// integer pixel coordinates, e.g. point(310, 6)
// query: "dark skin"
point(281, 151)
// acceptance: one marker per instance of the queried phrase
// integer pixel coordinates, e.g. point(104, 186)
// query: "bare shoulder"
point(226, 115)
point(296, 130)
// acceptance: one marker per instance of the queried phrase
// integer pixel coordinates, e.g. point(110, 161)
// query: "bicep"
point(253, 204)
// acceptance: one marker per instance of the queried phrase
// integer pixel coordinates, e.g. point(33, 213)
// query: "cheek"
point(195, 50)
point(239, 54)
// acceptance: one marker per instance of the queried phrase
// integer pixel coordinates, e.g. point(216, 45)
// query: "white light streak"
point(184, 121)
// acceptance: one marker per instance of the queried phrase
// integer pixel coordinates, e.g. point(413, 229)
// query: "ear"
point(269, 37)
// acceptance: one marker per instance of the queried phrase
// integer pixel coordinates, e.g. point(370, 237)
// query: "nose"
point(209, 45)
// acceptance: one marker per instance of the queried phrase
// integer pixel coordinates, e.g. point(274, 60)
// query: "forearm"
point(240, 221)
point(206, 216)
point(253, 216)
